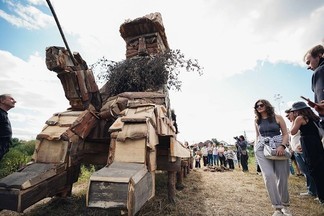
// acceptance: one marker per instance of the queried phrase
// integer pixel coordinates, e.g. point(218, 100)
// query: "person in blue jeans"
point(215, 155)
point(311, 187)
point(210, 154)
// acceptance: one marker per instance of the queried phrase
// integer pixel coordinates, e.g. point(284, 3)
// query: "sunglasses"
point(259, 106)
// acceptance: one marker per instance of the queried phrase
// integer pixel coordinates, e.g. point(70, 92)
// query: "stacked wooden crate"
point(129, 178)
point(51, 172)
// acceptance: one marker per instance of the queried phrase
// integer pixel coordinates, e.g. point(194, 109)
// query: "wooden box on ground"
point(22, 189)
point(125, 186)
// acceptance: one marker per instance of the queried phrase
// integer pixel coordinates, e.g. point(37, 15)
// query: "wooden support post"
point(171, 186)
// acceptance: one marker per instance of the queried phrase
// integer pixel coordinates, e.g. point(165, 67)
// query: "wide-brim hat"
point(298, 106)
point(288, 110)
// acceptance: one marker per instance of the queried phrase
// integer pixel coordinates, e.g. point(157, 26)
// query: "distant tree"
point(20, 153)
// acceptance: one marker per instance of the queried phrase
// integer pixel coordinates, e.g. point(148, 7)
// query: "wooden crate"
point(31, 175)
point(18, 199)
point(126, 186)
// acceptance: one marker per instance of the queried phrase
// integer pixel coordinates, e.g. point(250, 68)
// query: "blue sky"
point(249, 50)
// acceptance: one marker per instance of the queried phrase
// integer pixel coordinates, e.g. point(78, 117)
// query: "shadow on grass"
point(187, 201)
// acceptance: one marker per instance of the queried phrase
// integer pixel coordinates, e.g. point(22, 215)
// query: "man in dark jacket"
point(315, 60)
point(6, 103)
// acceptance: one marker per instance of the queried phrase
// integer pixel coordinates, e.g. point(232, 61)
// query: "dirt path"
point(234, 193)
point(205, 193)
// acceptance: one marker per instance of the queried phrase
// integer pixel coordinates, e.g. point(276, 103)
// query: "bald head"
point(7, 102)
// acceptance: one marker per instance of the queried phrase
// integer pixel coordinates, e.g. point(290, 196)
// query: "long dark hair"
point(308, 114)
point(269, 110)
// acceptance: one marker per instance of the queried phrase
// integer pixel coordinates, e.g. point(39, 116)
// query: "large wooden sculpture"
point(131, 133)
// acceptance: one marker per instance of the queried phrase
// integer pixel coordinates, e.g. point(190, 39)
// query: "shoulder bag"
point(271, 153)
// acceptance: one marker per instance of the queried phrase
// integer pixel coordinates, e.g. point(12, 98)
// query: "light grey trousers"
point(275, 175)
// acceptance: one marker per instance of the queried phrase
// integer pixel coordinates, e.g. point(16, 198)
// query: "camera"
point(236, 137)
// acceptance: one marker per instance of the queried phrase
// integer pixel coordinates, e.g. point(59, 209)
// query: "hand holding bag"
point(271, 153)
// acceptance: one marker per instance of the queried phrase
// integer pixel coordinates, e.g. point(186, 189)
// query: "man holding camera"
point(241, 146)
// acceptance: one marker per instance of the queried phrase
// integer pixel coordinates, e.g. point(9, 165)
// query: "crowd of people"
point(212, 154)
point(303, 140)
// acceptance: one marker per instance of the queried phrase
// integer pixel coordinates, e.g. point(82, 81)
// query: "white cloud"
point(227, 37)
point(38, 93)
point(26, 16)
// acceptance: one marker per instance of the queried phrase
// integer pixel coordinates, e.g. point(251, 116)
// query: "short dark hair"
point(4, 96)
point(315, 51)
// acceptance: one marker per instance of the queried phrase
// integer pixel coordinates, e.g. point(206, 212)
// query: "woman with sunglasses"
point(271, 129)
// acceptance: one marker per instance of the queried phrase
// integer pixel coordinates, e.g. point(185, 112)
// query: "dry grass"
point(205, 193)
point(229, 193)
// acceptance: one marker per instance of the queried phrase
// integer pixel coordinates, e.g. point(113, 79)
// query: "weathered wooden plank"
point(52, 133)
point(178, 150)
point(143, 191)
point(138, 95)
point(90, 81)
point(133, 131)
point(107, 104)
point(111, 153)
point(58, 124)
point(141, 113)
point(42, 172)
point(9, 199)
point(100, 131)
point(121, 185)
point(84, 123)
point(103, 194)
point(131, 151)
point(153, 138)
point(118, 169)
point(151, 160)
point(80, 75)
point(117, 125)
point(109, 186)
point(57, 59)
point(52, 151)
point(18, 199)
point(164, 163)
point(95, 152)
point(31, 175)
point(45, 189)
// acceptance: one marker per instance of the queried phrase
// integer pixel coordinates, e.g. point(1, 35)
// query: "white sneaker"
point(286, 211)
point(305, 194)
point(277, 213)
